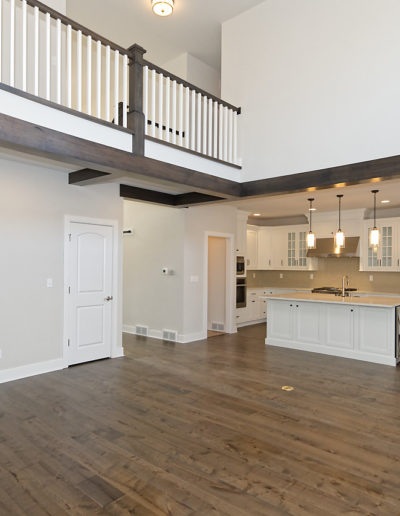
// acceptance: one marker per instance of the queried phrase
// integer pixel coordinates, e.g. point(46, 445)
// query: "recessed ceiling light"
point(256, 214)
point(312, 209)
point(385, 201)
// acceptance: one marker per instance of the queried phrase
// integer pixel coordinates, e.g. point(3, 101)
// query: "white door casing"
point(89, 310)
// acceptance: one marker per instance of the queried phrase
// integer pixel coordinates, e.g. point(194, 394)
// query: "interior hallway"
point(202, 429)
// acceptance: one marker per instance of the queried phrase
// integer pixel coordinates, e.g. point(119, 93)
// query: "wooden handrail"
point(186, 84)
point(76, 26)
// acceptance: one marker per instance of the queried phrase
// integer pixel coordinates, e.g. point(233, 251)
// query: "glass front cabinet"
point(386, 257)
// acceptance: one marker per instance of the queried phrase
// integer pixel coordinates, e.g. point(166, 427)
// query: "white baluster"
point(79, 69)
point(108, 83)
point(235, 139)
point(199, 119)
point(193, 124)
point(89, 75)
point(205, 124)
point(225, 158)
point(230, 135)
point(69, 66)
point(210, 126)
point(24, 32)
point(36, 50)
point(146, 97)
point(125, 92)
point(58, 68)
point(98, 79)
point(180, 128)
point(160, 105)
point(221, 132)
point(12, 42)
point(187, 117)
point(116, 86)
point(174, 108)
point(215, 149)
point(168, 107)
point(153, 103)
point(48, 55)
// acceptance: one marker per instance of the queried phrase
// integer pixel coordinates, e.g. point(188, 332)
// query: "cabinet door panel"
point(280, 320)
point(376, 330)
point(307, 326)
point(251, 249)
point(339, 326)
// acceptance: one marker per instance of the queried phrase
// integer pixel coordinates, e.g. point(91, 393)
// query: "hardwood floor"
point(203, 429)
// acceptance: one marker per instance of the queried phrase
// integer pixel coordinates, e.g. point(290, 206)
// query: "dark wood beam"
point(85, 175)
point(177, 200)
point(40, 141)
point(345, 175)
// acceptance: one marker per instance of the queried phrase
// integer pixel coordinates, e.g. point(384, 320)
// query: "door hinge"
point(69, 342)
point(70, 237)
point(69, 290)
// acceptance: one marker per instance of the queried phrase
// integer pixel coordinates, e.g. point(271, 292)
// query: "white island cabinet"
point(362, 328)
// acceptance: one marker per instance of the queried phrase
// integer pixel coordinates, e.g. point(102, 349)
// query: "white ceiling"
point(195, 26)
point(355, 197)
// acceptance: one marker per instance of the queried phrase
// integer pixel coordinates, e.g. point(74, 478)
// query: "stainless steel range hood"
point(325, 247)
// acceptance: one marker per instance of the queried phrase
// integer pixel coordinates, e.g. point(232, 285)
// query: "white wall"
point(174, 238)
point(196, 72)
point(216, 280)
point(151, 299)
point(318, 81)
point(34, 200)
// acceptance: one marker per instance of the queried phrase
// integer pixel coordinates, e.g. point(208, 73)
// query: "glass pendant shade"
point(163, 7)
point(339, 239)
point(311, 241)
point(374, 234)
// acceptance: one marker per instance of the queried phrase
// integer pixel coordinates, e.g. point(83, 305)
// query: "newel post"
point(136, 117)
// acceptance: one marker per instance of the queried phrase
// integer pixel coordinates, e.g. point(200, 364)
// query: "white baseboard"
point(325, 350)
point(118, 353)
point(17, 373)
point(250, 323)
point(157, 334)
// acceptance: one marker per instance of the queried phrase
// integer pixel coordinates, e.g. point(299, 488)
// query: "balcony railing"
point(48, 55)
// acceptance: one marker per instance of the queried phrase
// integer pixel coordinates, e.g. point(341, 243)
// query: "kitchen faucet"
point(345, 282)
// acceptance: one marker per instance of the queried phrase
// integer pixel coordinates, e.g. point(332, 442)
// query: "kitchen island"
point(363, 328)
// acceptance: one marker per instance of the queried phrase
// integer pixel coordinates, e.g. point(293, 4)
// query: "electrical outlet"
point(371, 277)
point(49, 283)
point(254, 275)
point(281, 275)
point(311, 276)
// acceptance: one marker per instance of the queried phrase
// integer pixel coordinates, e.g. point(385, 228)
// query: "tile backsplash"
point(330, 273)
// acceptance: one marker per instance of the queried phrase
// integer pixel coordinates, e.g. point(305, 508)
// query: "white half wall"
point(216, 280)
point(318, 81)
point(34, 200)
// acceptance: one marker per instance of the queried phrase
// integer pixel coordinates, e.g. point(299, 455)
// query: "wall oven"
point(240, 266)
point(241, 292)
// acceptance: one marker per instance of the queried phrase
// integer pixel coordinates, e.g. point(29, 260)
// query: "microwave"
point(240, 266)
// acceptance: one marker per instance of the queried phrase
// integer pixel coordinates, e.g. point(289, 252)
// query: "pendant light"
point(374, 233)
point(310, 235)
point(339, 237)
point(162, 7)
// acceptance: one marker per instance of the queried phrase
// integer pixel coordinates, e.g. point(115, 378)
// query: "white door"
point(90, 288)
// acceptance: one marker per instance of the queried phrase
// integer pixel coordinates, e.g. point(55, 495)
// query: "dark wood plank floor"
point(203, 429)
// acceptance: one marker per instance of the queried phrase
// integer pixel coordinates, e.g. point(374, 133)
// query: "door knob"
point(108, 298)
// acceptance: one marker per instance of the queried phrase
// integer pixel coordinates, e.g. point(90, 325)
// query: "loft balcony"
point(68, 94)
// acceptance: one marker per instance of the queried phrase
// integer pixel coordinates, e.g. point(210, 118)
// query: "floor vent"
point(217, 326)
point(142, 330)
point(170, 335)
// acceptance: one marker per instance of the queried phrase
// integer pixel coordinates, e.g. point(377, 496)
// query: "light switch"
point(371, 278)
point(49, 283)
point(281, 275)
point(311, 276)
point(194, 279)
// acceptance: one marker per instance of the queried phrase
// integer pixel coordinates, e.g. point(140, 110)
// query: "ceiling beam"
point(85, 176)
point(176, 200)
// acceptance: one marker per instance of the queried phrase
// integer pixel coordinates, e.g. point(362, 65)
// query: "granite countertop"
point(387, 302)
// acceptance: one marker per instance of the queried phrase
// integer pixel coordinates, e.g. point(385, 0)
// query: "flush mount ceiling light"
point(339, 237)
point(310, 234)
point(256, 214)
point(374, 232)
point(162, 7)
point(385, 201)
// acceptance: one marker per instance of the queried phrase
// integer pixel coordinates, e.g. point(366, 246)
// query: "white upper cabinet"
point(241, 229)
point(279, 248)
point(387, 256)
point(251, 249)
